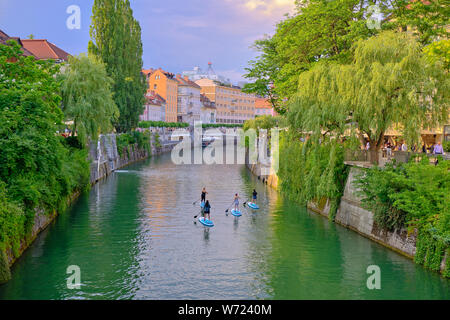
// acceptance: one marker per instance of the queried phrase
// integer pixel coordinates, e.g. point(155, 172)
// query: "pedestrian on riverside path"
point(388, 150)
point(424, 148)
point(437, 149)
point(404, 147)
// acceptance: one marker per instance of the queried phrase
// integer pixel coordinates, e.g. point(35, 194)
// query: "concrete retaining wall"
point(352, 215)
point(270, 179)
point(105, 158)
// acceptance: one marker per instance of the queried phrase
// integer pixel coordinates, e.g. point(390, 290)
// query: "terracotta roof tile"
point(4, 37)
point(42, 49)
point(186, 82)
point(154, 98)
point(262, 103)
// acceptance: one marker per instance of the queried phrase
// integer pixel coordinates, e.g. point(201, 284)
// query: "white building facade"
point(189, 104)
point(154, 108)
point(209, 111)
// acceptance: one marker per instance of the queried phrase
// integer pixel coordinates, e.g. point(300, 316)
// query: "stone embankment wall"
point(42, 219)
point(105, 159)
point(352, 215)
point(258, 170)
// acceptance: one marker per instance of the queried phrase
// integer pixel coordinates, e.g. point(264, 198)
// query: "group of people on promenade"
point(435, 149)
point(206, 206)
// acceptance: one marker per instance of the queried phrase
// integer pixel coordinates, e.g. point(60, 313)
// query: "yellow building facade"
point(233, 105)
point(165, 84)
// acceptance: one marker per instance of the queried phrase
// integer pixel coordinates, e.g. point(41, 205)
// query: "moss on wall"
point(430, 252)
point(5, 273)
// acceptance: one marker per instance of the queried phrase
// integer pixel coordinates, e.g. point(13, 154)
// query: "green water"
point(134, 237)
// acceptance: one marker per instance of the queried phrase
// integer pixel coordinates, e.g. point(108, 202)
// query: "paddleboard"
point(206, 222)
point(236, 213)
point(252, 205)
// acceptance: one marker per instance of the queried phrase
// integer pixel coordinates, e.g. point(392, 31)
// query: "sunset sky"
point(177, 34)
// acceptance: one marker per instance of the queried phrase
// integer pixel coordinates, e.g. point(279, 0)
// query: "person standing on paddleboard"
point(203, 196)
point(254, 196)
point(206, 210)
point(236, 202)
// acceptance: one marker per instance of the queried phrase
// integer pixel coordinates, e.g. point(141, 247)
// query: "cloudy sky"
point(177, 34)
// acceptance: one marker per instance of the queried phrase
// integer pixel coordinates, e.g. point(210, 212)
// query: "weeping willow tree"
point(87, 97)
point(312, 172)
point(389, 84)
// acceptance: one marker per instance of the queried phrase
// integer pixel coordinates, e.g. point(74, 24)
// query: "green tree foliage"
point(416, 194)
point(264, 122)
point(12, 221)
point(125, 141)
point(162, 124)
point(321, 30)
point(263, 71)
point(311, 171)
point(439, 51)
point(87, 98)
point(446, 146)
point(116, 40)
point(37, 169)
point(426, 19)
point(389, 83)
point(326, 30)
point(222, 125)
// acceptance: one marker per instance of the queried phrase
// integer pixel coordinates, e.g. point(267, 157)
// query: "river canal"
point(133, 236)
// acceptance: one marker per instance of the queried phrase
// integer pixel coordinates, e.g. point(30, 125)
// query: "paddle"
point(195, 202)
point(201, 211)
point(226, 211)
point(246, 202)
point(195, 217)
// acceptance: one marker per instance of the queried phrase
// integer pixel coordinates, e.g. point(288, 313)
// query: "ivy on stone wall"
point(413, 195)
point(430, 252)
point(312, 171)
point(5, 273)
point(125, 141)
point(446, 272)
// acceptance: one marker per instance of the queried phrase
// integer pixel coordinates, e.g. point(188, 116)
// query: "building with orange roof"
point(146, 72)
point(263, 107)
point(45, 50)
point(154, 108)
point(164, 84)
point(4, 38)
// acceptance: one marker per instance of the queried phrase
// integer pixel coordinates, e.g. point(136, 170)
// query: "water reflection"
point(206, 235)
